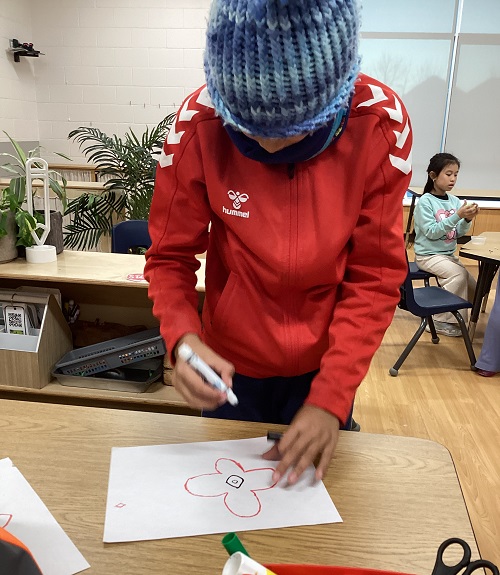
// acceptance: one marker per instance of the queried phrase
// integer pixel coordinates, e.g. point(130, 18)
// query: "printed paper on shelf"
point(163, 491)
point(24, 515)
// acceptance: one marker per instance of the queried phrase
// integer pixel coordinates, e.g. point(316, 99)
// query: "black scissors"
point(441, 568)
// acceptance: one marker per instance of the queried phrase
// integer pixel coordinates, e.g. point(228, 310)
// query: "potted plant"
point(129, 165)
point(16, 223)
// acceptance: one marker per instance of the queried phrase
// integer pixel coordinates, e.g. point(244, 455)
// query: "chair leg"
point(467, 341)
point(434, 335)
point(485, 303)
point(406, 352)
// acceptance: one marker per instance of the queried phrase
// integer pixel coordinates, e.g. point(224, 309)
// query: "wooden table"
point(101, 282)
point(488, 258)
point(399, 497)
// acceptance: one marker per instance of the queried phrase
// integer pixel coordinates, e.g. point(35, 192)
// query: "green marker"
point(233, 544)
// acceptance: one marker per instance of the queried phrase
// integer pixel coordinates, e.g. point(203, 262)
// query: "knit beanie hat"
point(278, 68)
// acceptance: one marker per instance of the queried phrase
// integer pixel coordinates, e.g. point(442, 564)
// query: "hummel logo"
point(238, 199)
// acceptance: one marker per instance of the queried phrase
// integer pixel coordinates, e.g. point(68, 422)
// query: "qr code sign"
point(15, 321)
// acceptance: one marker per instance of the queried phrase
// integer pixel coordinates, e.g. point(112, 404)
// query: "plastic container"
point(135, 378)
point(478, 240)
point(113, 353)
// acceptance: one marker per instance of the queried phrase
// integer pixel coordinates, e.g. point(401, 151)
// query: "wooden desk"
point(488, 258)
point(98, 282)
point(91, 270)
point(399, 497)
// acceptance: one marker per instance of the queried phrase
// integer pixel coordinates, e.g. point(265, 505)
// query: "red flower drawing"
point(236, 485)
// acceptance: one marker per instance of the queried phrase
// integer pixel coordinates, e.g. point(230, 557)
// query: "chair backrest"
point(128, 236)
point(407, 301)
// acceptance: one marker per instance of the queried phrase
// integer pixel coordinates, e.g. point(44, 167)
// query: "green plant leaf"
point(17, 187)
point(26, 223)
point(61, 155)
point(8, 168)
point(130, 164)
point(19, 151)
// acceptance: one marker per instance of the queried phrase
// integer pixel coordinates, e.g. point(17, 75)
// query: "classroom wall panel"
point(18, 108)
point(121, 64)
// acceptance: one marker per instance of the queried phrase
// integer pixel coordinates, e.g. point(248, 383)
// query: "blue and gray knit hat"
point(278, 68)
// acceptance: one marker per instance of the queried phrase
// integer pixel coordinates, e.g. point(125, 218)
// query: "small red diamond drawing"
point(120, 505)
point(135, 277)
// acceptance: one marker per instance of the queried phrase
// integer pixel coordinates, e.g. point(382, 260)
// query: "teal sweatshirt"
point(437, 225)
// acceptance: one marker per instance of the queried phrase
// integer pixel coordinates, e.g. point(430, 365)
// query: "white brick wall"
point(112, 64)
point(18, 96)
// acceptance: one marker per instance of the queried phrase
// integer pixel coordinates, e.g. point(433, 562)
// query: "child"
point(441, 218)
point(297, 164)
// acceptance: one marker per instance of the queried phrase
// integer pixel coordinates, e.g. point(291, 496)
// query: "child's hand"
point(191, 386)
point(468, 211)
point(312, 435)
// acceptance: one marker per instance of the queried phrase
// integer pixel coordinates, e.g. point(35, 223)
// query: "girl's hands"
point(197, 393)
point(468, 211)
point(313, 433)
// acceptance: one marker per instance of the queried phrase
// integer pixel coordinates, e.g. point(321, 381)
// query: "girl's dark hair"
point(437, 163)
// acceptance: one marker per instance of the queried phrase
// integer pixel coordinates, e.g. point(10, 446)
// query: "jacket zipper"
point(290, 308)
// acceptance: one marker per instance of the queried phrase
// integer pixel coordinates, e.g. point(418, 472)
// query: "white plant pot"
point(41, 254)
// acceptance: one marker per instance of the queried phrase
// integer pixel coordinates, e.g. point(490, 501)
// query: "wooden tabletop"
point(490, 250)
point(90, 268)
point(399, 497)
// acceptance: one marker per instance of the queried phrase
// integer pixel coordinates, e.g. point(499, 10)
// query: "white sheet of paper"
point(24, 515)
point(162, 491)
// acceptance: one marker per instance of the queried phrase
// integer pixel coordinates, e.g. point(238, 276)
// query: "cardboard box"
point(28, 360)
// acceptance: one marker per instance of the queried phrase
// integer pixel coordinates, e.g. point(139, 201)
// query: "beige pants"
point(452, 276)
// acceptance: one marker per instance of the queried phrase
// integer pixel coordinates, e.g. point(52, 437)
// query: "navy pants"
point(269, 400)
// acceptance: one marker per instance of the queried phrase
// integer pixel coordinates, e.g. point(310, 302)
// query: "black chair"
point(130, 236)
point(424, 302)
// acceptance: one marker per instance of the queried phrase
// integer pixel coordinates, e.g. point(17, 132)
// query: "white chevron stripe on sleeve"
point(165, 160)
point(401, 137)
point(204, 98)
point(186, 115)
point(401, 164)
point(395, 113)
point(173, 136)
point(378, 96)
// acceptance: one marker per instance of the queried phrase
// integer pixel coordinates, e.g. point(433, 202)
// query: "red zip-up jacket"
point(303, 269)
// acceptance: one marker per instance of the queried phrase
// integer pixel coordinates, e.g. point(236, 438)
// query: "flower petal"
point(208, 485)
point(243, 503)
point(257, 479)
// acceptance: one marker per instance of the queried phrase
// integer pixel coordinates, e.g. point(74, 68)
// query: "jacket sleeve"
point(376, 268)
point(425, 220)
point(178, 226)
